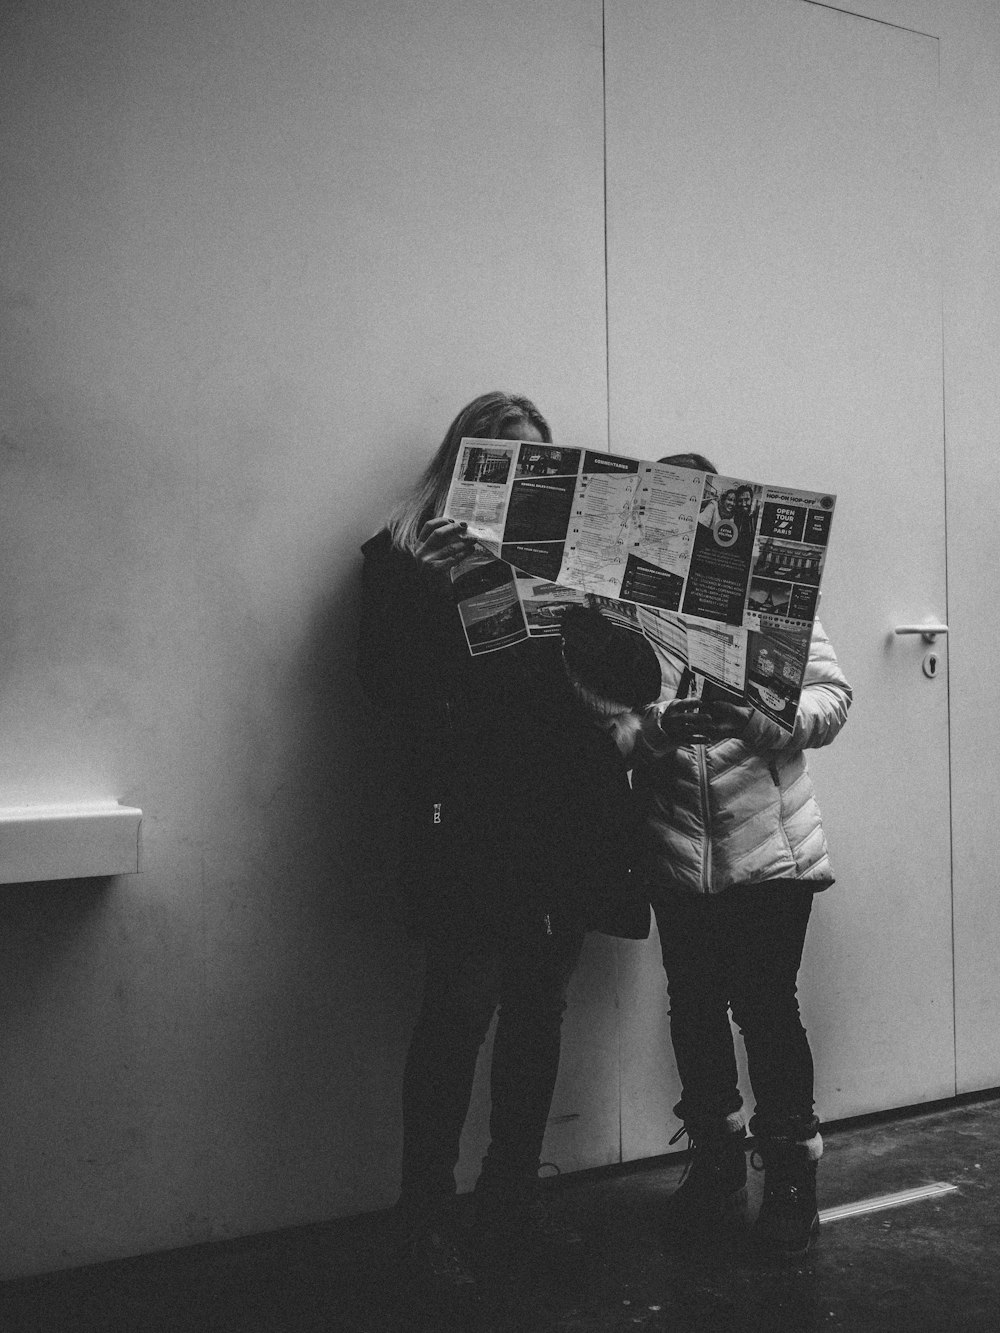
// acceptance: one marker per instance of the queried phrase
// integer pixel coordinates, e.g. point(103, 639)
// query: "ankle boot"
point(514, 1216)
point(433, 1252)
point(712, 1195)
point(788, 1221)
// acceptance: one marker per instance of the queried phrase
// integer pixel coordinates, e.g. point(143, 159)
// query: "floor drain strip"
point(882, 1201)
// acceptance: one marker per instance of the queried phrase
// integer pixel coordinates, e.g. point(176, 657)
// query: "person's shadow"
point(337, 949)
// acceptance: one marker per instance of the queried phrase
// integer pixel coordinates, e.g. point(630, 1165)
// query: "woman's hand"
point(728, 719)
point(442, 545)
point(684, 722)
point(690, 722)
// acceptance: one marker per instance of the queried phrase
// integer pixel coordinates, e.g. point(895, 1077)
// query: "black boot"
point(788, 1221)
point(434, 1255)
point(712, 1196)
point(514, 1220)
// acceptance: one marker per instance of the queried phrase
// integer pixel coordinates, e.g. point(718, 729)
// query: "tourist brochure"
point(719, 572)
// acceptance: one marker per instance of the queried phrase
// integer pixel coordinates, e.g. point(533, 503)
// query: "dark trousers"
point(739, 951)
point(469, 973)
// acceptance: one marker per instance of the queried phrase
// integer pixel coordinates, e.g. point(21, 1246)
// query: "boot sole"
point(765, 1250)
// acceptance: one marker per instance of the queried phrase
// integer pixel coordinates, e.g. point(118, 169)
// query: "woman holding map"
point(734, 850)
point(518, 828)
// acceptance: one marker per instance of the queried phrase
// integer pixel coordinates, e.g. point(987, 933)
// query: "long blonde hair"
point(483, 419)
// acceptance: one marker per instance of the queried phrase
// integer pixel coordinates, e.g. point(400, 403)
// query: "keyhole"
point(931, 665)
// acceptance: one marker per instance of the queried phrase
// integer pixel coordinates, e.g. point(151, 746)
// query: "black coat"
point(514, 802)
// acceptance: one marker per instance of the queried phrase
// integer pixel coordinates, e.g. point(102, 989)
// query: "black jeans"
point(739, 950)
point(468, 974)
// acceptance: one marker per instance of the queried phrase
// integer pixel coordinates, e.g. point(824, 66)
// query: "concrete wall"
point(254, 259)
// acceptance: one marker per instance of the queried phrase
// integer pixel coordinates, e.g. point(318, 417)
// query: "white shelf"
point(79, 841)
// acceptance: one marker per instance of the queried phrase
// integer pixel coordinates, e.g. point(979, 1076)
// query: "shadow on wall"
point(55, 944)
point(47, 927)
point(349, 781)
point(320, 953)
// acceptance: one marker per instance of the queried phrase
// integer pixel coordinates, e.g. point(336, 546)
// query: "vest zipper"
point(706, 819)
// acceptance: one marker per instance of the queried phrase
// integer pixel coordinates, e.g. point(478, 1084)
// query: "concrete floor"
point(921, 1267)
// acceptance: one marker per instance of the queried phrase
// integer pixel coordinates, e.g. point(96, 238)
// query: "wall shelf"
point(73, 841)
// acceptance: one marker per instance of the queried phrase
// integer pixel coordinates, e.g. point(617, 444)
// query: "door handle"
point(927, 632)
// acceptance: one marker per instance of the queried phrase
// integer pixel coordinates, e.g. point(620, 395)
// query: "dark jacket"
point(514, 803)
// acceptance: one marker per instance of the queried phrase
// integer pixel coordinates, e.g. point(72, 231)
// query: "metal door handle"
point(927, 632)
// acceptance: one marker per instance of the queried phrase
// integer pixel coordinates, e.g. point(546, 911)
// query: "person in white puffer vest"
point(733, 852)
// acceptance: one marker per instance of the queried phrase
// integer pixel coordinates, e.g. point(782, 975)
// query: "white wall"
point(254, 260)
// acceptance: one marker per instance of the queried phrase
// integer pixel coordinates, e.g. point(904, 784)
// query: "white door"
point(774, 303)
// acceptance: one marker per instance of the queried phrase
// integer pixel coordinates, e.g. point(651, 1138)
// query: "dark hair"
point(612, 664)
point(697, 461)
point(483, 419)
